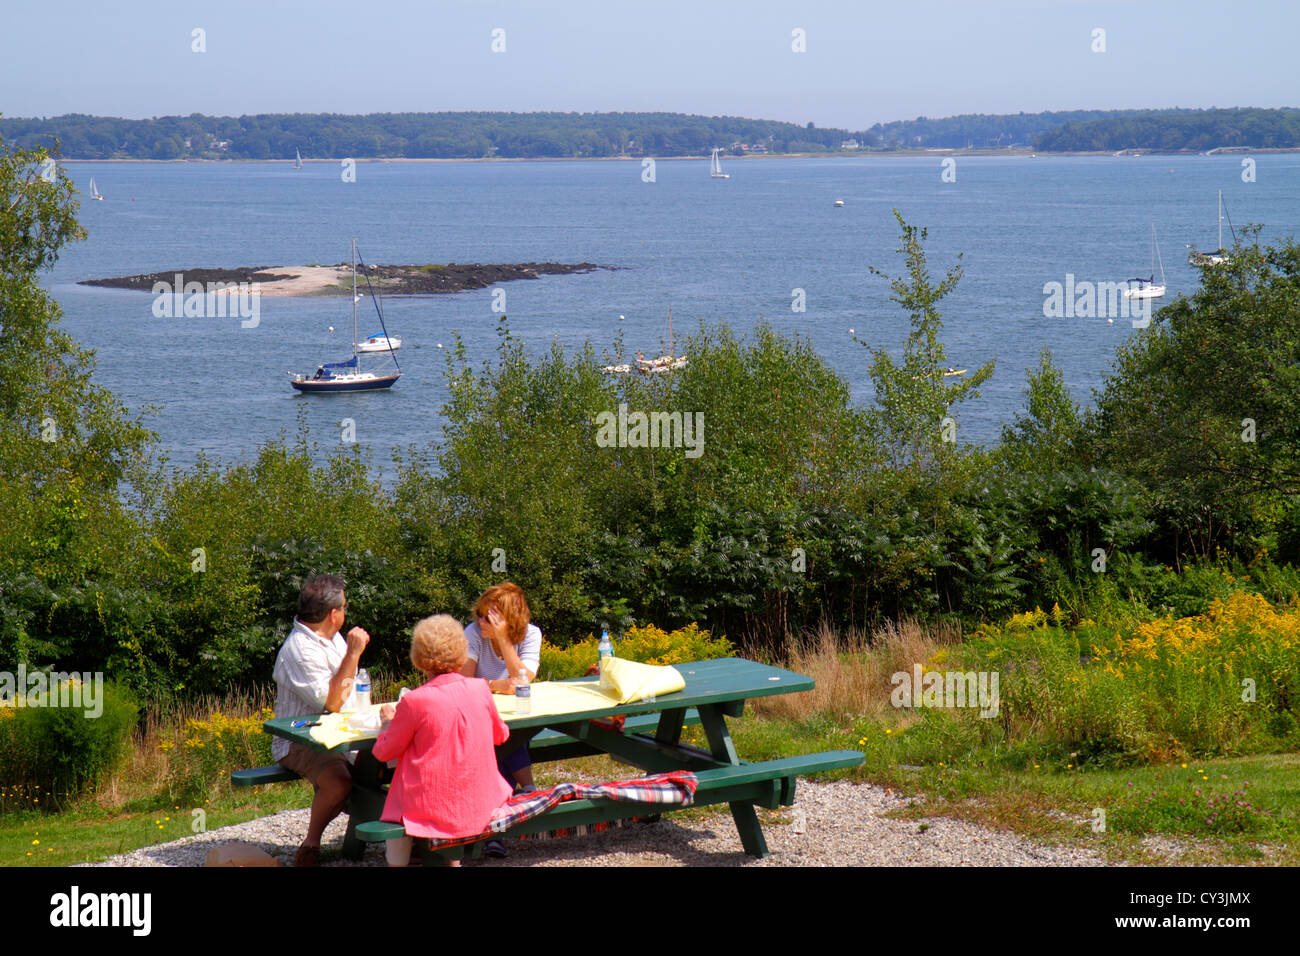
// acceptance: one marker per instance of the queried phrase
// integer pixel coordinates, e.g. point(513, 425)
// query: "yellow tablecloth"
point(334, 729)
point(630, 681)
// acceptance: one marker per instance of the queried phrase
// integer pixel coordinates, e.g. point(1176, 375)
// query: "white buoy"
point(331, 328)
point(439, 345)
point(850, 331)
point(620, 318)
point(1110, 321)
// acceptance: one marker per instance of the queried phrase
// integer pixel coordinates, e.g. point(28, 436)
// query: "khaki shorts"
point(310, 764)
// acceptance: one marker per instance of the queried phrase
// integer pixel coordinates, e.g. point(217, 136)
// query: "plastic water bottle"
point(363, 691)
point(606, 651)
point(523, 693)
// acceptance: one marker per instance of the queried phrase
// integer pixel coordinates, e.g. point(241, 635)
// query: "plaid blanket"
point(676, 788)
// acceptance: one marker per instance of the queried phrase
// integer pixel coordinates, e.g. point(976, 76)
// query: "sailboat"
point(715, 167)
point(1147, 288)
point(1219, 256)
point(348, 376)
point(94, 190)
point(664, 363)
point(297, 163)
point(379, 343)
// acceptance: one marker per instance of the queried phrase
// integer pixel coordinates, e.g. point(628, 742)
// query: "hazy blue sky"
point(864, 62)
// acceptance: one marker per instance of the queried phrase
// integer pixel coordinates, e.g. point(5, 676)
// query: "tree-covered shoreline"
point(487, 135)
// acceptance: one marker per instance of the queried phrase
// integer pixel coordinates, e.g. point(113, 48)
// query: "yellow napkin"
point(550, 698)
point(334, 729)
point(630, 681)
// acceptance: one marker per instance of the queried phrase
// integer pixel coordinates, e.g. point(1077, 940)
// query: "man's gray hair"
point(321, 594)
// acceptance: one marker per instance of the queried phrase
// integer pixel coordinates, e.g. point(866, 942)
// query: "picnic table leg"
point(669, 730)
point(713, 719)
point(365, 803)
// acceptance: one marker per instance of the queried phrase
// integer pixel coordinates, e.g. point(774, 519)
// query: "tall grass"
point(852, 671)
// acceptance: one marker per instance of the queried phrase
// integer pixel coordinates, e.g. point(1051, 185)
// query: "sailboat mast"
point(1159, 258)
point(354, 302)
point(1220, 220)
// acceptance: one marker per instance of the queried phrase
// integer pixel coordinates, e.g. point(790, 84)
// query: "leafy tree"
point(64, 443)
point(913, 395)
point(1045, 436)
point(1204, 406)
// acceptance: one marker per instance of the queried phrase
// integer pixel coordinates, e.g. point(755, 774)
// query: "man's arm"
point(357, 641)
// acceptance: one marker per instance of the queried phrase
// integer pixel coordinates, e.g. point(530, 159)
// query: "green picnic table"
point(650, 739)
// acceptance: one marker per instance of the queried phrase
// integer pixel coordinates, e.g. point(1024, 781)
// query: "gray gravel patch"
point(831, 824)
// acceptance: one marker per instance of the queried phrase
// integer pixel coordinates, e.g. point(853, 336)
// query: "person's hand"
point(386, 713)
point(357, 640)
point(504, 685)
point(494, 628)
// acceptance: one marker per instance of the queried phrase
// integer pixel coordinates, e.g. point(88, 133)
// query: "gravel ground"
point(831, 824)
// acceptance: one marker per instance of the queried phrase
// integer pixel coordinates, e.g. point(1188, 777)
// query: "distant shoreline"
point(860, 154)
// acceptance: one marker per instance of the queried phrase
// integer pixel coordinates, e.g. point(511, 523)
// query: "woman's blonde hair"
point(438, 645)
point(509, 599)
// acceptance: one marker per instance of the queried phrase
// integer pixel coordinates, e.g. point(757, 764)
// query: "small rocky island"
point(337, 280)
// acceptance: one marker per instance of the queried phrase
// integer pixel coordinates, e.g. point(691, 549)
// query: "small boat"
point(839, 202)
point(1219, 256)
point(380, 343)
point(953, 371)
point(297, 163)
point(1146, 288)
point(349, 376)
point(94, 190)
point(715, 167)
point(664, 363)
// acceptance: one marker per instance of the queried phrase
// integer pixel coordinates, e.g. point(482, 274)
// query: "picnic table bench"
point(650, 739)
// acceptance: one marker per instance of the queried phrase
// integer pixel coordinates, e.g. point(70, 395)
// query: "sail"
point(350, 363)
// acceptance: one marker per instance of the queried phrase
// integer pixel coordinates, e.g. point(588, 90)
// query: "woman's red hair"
point(508, 598)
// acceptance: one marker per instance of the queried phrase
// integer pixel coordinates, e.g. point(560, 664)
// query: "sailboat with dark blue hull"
point(349, 376)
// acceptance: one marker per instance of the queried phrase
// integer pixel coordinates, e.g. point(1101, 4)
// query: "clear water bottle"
point(523, 693)
point(606, 651)
point(363, 691)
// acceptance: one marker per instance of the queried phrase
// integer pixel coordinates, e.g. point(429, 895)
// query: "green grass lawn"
point(1053, 801)
point(1224, 810)
point(90, 834)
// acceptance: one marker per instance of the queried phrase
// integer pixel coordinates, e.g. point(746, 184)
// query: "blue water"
point(728, 250)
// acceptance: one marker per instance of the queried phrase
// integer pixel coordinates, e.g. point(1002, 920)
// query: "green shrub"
point(647, 644)
point(51, 754)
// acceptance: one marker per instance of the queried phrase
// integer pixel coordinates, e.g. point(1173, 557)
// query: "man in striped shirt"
point(314, 672)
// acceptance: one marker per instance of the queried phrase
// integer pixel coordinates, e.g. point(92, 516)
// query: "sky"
point(862, 62)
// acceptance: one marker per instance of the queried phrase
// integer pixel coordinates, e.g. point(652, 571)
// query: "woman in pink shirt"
point(442, 736)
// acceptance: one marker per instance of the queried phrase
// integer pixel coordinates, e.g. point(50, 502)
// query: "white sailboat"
point(94, 190)
point(715, 167)
point(348, 376)
point(664, 363)
point(297, 163)
point(1146, 288)
point(379, 343)
point(1220, 255)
